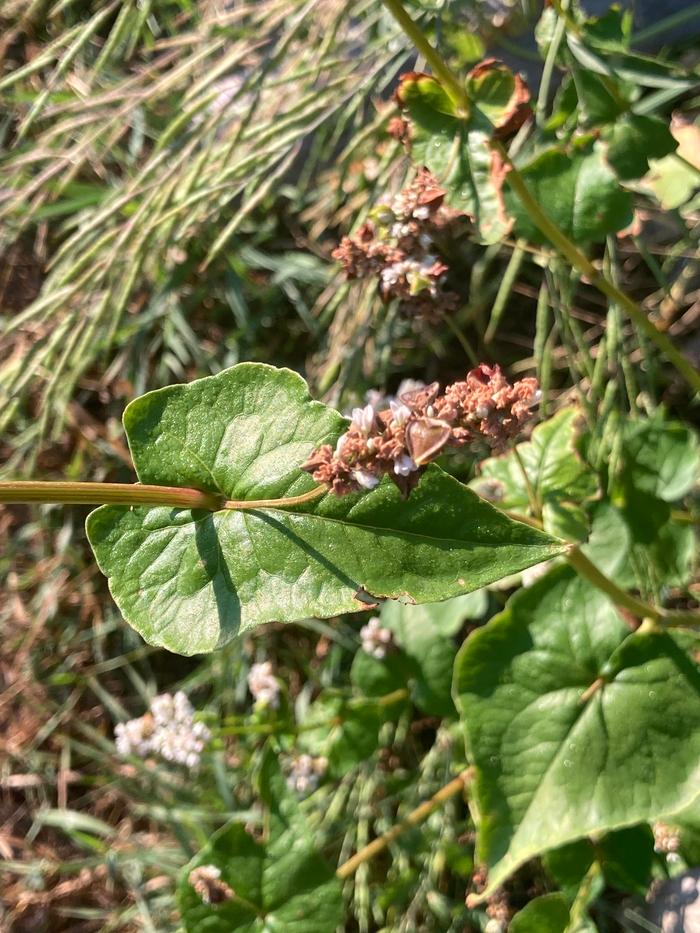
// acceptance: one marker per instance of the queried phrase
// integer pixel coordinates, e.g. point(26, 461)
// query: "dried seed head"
point(400, 440)
point(397, 246)
point(426, 437)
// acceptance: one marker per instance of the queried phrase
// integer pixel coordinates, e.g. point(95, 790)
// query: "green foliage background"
point(173, 178)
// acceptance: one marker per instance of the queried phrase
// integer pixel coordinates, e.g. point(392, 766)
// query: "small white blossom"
point(495, 926)
point(206, 880)
point(340, 443)
point(422, 212)
point(666, 840)
point(363, 418)
point(305, 773)
point(375, 639)
point(133, 737)
point(168, 730)
point(365, 479)
point(403, 465)
point(409, 385)
point(263, 685)
point(400, 413)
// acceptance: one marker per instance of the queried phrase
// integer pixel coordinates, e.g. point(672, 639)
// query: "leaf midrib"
point(462, 542)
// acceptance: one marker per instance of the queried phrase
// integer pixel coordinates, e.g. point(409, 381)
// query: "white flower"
point(375, 639)
point(133, 737)
point(400, 230)
point(403, 465)
point(363, 418)
point(306, 773)
point(264, 685)
point(389, 276)
point(422, 212)
point(666, 840)
point(409, 385)
point(365, 479)
point(400, 413)
point(495, 926)
point(340, 443)
point(168, 730)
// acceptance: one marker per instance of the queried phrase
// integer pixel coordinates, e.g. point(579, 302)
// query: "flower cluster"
point(168, 730)
point(305, 773)
point(666, 841)
point(401, 440)
point(263, 685)
point(206, 880)
point(375, 639)
point(397, 246)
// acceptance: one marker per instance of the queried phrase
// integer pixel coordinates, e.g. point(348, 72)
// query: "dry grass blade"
point(207, 121)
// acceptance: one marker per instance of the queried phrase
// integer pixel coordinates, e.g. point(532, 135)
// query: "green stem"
point(137, 494)
point(533, 499)
point(112, 493)
point(454, 88)
point(578, 259)
point(663, 617)
point(582, 263)
point(587, 569)
point(284, 727)
point(414, 818)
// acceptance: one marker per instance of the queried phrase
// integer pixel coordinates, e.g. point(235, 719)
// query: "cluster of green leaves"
point(280, 882)
point(577, 725)
point(578, 162)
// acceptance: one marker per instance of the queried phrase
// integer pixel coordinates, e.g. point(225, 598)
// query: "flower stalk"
point(414, 818)
point(664, 618)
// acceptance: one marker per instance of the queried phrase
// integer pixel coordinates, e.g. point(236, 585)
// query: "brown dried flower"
point(400, 441)
point(397, 246)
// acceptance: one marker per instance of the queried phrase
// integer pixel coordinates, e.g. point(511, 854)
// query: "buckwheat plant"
point(562, 716)
point(168, 730)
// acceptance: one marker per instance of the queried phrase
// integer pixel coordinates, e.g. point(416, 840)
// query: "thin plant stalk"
point(414, 818)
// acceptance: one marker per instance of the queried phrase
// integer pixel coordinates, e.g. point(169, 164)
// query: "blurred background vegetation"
point(174, 176)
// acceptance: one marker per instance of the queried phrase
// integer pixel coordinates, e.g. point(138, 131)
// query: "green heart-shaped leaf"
point(576, 726)
point(192, 580)
point(285, 886)
point(577, 189)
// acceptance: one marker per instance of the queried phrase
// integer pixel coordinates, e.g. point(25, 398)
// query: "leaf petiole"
point(28, 492)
